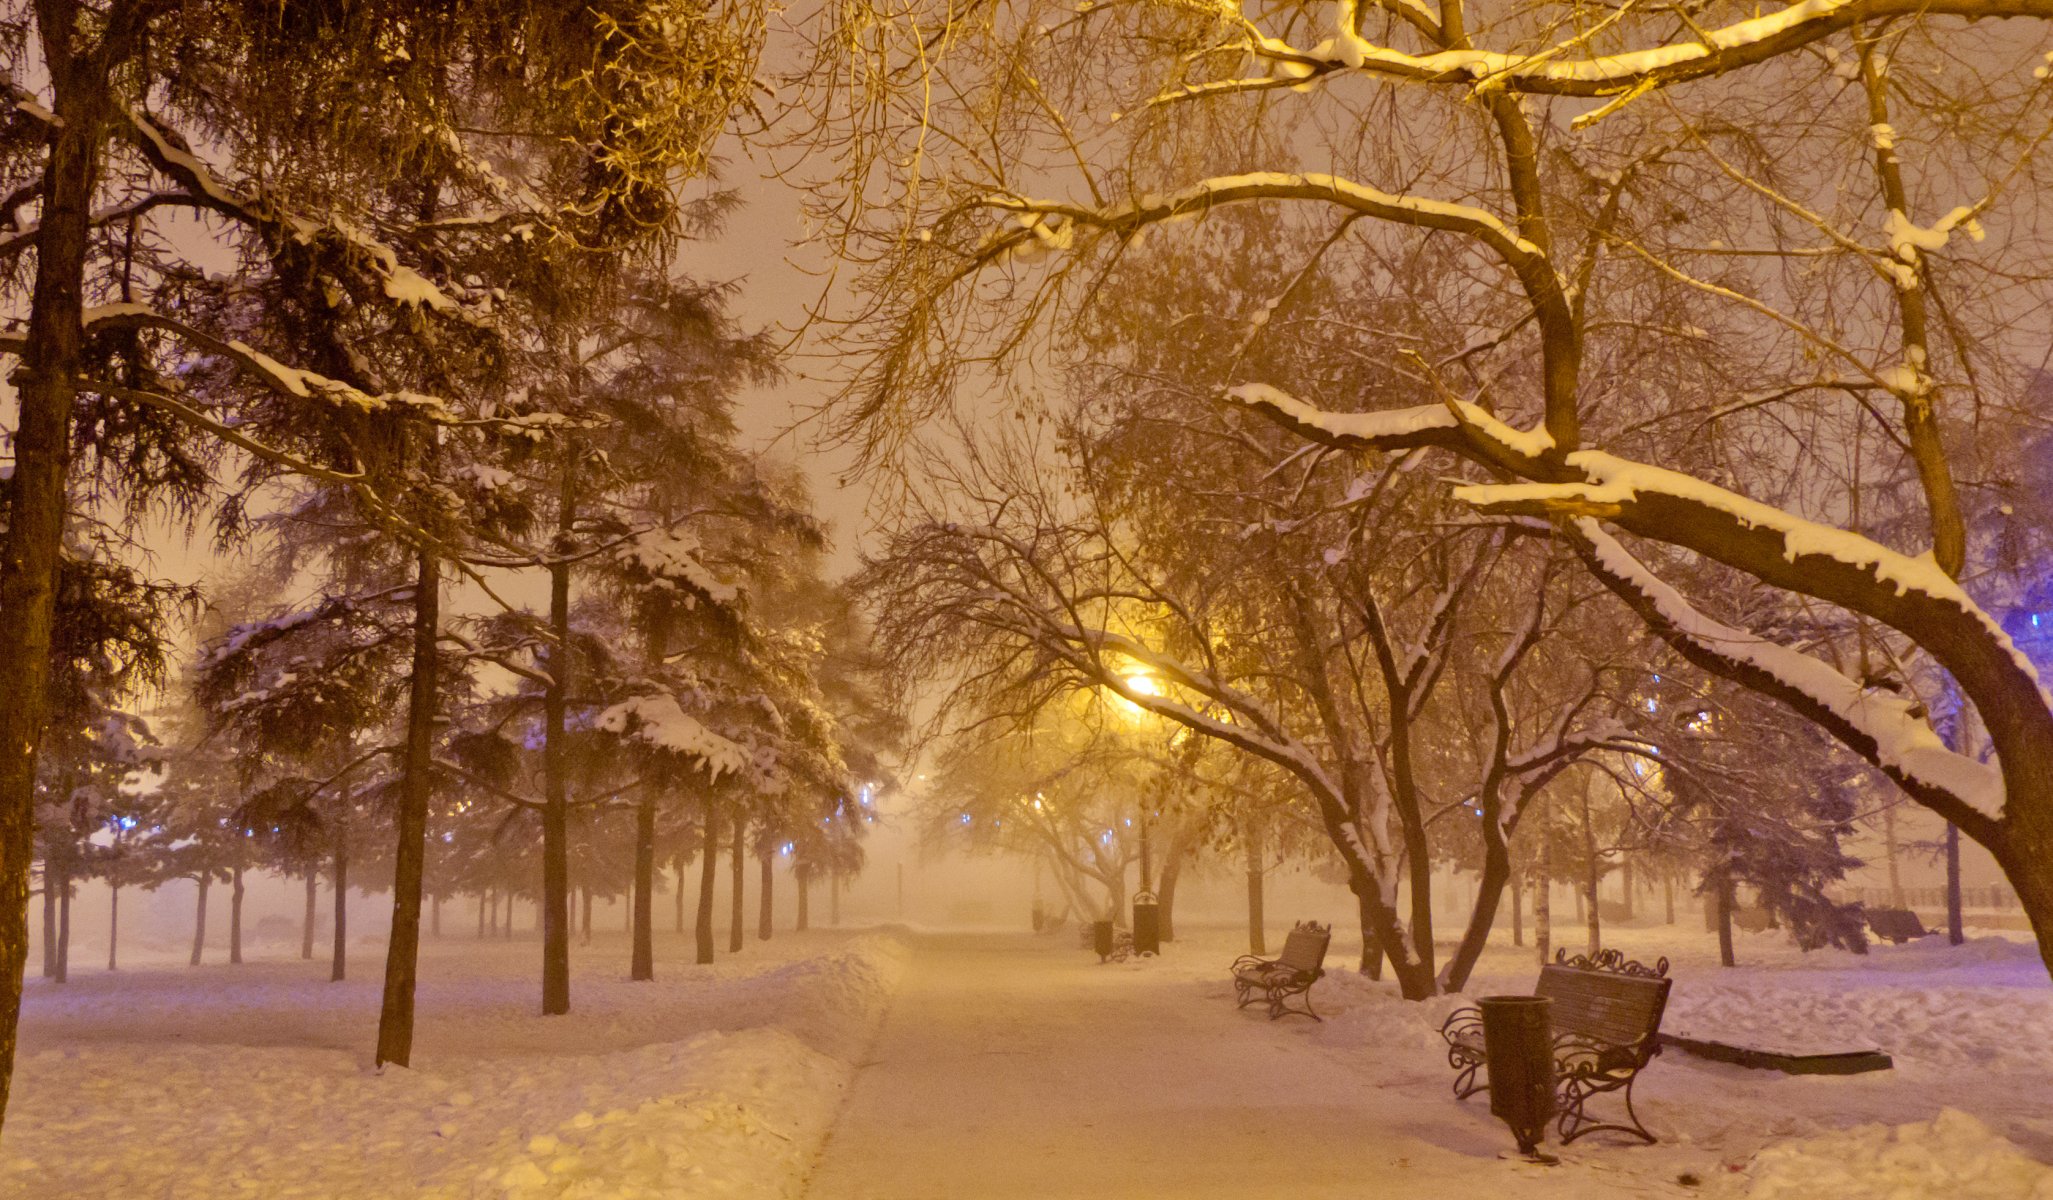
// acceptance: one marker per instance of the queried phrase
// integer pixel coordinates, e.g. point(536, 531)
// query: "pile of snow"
point(1951, 1157)
point(224, 1081)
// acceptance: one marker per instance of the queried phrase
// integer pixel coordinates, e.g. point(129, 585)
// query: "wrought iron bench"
point(1277, 980)
point(1606, 1019)
point(1896, 924)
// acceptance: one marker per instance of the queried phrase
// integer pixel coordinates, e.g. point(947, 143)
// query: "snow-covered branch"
point(1882, 727)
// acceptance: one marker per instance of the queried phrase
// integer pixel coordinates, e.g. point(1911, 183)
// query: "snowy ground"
point(1014, 1067)
point(173, 1083)
point(1003, 1065)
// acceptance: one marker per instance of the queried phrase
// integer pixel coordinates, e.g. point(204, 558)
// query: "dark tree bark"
point(63, 931)
point(306, 925)
point(1543, 897)
point(1517, 911)
point(338, 948)
point(235, 916)
point(199, 924)
point(678, 869)
point(1668, 895)
point(113, 925)
point(1721, 905)
point(49, 922)
point(1625, 876)
point(708, 876)
point(1172, 871)
point(556, 767)
point(483, 897)
point(1374, 915)
point(584, 932)
point(738, 865)
point(403, 952)
point(79, 71)
point(1591, 877)
point(763, 898)
point(1956, 932)
point(1257, 942)
point(643, 965)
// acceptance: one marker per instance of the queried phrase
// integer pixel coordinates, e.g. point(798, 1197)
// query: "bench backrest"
point(1896, 924)
point(1616, 1007)
point(1305, 949)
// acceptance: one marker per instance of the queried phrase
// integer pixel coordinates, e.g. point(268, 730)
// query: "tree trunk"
point(64, 930)
point(1543, 895)
point(339, 949)
point(1256, 940)
point(1172, 870)
point(643, 964)
point(555, 772)
point(1517, 911)
point(235, 916)
point(584, 928)
point(49, 922)
point(1889, 848)
point(739, 866)
point(199, 924)
point(113, 924)
point(1722, 908)
point(708, 876)
point(1489, 892)
point(1594, 875)
point(763, 904)
point(410, 859)
point(1625, 876)
point(1668, 895)
point(41, 447)
point(1955, 931)
point(1372, 946)
point(483, 896)
point(306, 925)
point(680, 861)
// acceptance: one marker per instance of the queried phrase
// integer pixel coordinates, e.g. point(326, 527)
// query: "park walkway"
point(1018, 1067)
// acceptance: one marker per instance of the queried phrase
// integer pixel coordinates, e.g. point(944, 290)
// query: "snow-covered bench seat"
point(1606, 1019)
point(1277, 980)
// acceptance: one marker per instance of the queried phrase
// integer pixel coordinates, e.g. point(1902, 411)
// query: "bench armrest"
point(1462, 1024)
point(1250, 960)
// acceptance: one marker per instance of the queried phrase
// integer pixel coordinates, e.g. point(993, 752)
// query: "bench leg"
point(1465, 1084)
point(1576, 1093)
point(1279, 1004)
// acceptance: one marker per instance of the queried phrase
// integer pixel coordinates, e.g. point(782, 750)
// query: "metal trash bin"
point(1147, 924)
point(1518, 1041)
point(1101, 939)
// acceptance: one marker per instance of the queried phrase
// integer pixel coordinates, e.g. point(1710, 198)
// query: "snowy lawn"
point(1966, 1114)
point(169, 1082)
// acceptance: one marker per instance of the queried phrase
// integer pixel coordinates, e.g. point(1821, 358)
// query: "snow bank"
point(1951, 1157)
point(252, 1081)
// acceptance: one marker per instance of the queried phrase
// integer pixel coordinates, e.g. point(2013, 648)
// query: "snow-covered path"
point(1014, 1067)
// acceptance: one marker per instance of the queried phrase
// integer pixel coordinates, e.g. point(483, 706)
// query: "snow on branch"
point(658, 721)
point(1046, 223)
point(1882, 727)
point(1566, 69)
